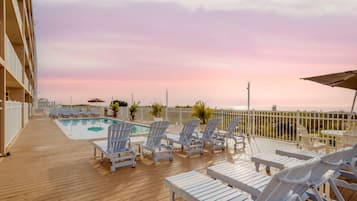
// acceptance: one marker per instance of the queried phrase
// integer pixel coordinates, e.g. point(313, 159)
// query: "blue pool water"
point(93, 128)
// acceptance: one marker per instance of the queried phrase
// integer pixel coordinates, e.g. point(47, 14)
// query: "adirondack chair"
point(238, 139)
point(243, 177)
point(188, 143)
point(309, 141)
point(93, 112)
point(84, 112)
point(209, 135)
point(153, 143)
point(288, 184)
point(117, 147)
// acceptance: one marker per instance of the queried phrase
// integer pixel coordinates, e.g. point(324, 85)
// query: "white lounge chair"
point(94, 112)
point(188, 143)
point(246, 179)
point(288, 184)
point(153, 142)
point(238, 138)
point(211, 136)
point(117, 147)
point(273, 160)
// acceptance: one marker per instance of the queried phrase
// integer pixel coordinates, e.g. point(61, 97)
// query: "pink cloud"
point(197, 54)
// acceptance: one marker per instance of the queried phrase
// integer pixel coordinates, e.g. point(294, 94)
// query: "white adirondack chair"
point(254, 183)
point(211, 136)
point(238, 139)
point(286, 185)
point(117, 147)
point(309, 141)
point(153, 142)
point(188, 143)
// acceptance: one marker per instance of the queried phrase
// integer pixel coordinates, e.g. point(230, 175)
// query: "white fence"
point(12, 60)
point(13, 120)
point(279, 125)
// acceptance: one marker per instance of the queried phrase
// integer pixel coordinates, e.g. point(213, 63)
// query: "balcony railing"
point(17, 13)
point(12, 60)
point(26, 83)
point(13, 120)
point(279, 125)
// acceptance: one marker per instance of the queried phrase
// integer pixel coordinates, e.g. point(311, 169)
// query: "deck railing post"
point(180, 116)
point(142, 114)
point(253, 123)
point(222, 122)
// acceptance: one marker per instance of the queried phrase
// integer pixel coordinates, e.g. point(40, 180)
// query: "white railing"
point(27, 83)
point(26, 112)
point(280, 125)
point(12, 60)
point(18, 13)
point(13, 120)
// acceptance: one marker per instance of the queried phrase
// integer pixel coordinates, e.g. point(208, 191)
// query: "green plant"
point(133, 109)
point(201, 111)
point(156, 110)
point(120, 103)
point(115, 108)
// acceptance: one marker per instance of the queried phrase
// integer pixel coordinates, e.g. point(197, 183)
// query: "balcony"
point(26, 83)
point(12, 60)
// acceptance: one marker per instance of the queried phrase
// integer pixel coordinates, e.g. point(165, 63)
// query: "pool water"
point(93, 128)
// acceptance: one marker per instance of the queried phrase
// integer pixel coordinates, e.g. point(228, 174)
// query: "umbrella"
point(96, 100)
point(347, 79)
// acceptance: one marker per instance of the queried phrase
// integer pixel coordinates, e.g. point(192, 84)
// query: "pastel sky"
point(197, 49)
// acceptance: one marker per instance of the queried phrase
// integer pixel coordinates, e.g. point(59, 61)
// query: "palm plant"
point(156, 110)
point(133, 109)
point(115, 108)
point(201, 111)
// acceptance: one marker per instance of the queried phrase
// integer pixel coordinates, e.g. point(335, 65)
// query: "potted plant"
point(201, 111)
point(156, 110)
point(133, 109)
point(115, 108)
point(105, 111)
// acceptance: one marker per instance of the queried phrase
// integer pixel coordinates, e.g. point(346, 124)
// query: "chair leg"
point(172, 195)
point(95, 153)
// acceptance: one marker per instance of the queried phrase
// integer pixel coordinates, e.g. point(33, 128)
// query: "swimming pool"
point(93, 128)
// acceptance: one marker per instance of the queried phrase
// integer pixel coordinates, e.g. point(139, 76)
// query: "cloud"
point(285, 7)
point(288, 7)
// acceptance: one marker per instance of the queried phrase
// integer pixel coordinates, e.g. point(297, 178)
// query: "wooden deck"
point(46, 165)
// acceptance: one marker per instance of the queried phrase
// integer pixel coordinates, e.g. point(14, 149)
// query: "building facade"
point(18, 70)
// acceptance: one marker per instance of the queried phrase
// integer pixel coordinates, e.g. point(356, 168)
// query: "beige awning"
point(346, 79)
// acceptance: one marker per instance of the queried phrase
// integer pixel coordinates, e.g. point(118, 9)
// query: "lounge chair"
point(65, 113)
point(117, 147)
point(75, 112)
point(153, 142)
point(211, 136)
point(84, 112)
point(289, 184)
point(347, 170)
point(273, 160)
point(243, 177)
point(94, 112)
point(238, 139)
point(188, 143)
